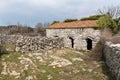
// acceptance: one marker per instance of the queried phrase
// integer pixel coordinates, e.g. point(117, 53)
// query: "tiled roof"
point(75, 24)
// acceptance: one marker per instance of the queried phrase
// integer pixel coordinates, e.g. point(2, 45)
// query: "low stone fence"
point(9, 39)
point(36, 44)
point(31, 44)
point(112, 56)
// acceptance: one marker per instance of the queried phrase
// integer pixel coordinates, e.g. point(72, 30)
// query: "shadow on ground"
point(101, 60)
point(3, 51)
point(106, 71)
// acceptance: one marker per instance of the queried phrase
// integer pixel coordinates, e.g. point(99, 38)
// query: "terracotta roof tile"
point(75, 24)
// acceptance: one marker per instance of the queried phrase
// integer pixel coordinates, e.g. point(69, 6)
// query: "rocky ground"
point(56, 64)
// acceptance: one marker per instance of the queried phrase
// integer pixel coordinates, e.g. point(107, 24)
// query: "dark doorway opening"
point(55, 36)
point(72, 42)
point(89, 44)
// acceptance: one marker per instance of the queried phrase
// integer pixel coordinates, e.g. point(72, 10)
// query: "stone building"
point(79, 35)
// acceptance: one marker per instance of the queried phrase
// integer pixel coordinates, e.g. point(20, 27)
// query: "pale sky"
point(30, 12)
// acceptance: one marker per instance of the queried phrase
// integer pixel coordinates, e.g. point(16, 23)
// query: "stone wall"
point(112, 58)
point(9, 39)
point(79, 35)
point(31, 44)
point(36, 44)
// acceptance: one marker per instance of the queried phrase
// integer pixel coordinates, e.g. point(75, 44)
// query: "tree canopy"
point(70, 20)
point(54, 22)
point(107, 21)
point(94, 17)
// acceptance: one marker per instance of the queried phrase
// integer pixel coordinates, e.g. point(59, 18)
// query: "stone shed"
point(79, 35)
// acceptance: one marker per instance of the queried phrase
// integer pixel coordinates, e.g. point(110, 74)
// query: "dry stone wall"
point(31, 44)
point(36, 44)
point(112, 58)
point(8, 39)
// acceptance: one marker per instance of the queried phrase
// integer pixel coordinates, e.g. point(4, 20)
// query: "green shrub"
point(54, 22)
point(94, 17)
point(70, 20)
point(107, 21)
point(118, 23)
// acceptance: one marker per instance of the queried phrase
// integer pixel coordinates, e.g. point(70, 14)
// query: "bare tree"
point(40, 29)
point(113, 11)
point(39, 25)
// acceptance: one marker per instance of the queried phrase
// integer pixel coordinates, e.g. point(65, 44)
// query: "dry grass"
point(97, 52)
point(115, 39)
point(106, 35)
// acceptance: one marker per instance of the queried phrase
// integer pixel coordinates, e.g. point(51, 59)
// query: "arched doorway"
point(72, 42)
point(89, 44)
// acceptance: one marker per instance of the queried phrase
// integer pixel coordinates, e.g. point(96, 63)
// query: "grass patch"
point(49, 70)
point(12, 57)
point(9, 47)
